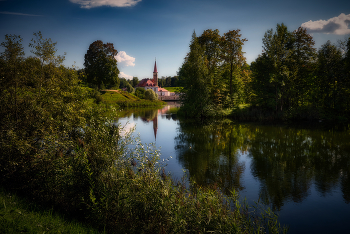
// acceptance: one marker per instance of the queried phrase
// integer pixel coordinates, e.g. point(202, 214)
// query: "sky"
point(143, 31)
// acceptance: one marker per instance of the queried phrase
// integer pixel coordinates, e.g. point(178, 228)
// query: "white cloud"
point(113, 3)
point(124, 59)
point(123, 75)
point(337, 25)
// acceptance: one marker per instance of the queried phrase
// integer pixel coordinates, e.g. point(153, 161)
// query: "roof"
point(145, 83)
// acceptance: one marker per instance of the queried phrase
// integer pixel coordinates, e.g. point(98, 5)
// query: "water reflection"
point(302, 172)
point(150, 115)
point(211, 154)
point(286, 161)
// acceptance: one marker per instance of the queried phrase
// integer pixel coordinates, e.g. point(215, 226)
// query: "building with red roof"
point(153, 84)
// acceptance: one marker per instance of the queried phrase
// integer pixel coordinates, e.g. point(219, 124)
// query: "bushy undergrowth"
point(19, 215)
point(119, 185)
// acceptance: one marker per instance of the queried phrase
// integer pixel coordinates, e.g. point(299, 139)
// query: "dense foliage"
point(151, 95)
point(101, 66)
point(214, 73)
point(62, 150)
point(169, 81)
point(290, 80)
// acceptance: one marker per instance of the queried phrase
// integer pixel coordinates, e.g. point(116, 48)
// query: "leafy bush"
point(140, 92)
point(151, 95)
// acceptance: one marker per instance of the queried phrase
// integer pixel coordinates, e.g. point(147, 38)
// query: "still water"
point(303, 173)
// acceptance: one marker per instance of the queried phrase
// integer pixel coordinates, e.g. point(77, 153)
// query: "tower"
point(155, 74)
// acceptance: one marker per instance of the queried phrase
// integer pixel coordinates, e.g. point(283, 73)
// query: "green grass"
point(173, 89)
point(18, 215)
point(113, 97)
point(125, 99)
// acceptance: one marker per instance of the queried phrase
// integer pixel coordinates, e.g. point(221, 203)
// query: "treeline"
point(291, 79)
point(169, 81)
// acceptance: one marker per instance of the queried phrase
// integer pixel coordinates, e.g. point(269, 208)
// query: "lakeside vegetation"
point(60, 149)
point(20, 215)
point(290, 80)
point(124, 99)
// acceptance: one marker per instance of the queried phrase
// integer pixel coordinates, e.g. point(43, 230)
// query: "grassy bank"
point(125, 99)
point(20, 215)
point(173, 89)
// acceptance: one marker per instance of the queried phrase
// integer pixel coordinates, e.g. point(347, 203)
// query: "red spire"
point(155, 67)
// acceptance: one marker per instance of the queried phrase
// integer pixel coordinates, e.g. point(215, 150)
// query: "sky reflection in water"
point(304, 174)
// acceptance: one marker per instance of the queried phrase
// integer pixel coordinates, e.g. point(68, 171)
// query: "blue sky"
point(142, 30)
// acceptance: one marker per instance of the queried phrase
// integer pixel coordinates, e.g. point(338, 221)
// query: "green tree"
point(232, 53)
point(167, 82)
point(129, 88)
point(101, 65)
point(140, 92)
point(329, 75)
point(150, 95)
point(346, 80)
point(211, 42)
point(11, 59)
point(123, 83)
point(45, 50)
point(135, 81)
point(194, 76)
point(285, 70)
point(42, 112)
point(263, 90)
point(174, 81)
point(301, 66)
point(278, 46)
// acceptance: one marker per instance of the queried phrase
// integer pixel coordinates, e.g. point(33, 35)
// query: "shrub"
point(150, 95)
point(140, 92)
point(129, 88)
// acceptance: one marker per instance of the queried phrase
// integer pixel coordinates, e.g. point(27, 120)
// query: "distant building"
point(147, 83)
point(153, 84)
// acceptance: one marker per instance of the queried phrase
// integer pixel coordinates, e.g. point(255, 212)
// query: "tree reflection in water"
point(286, 160)
point(211, 153)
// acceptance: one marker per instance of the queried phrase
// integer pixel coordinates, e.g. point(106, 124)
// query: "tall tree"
point(290, 57)
point(277, 45)
point(232, 53)
point(11, 58)
point(45, 50)
point(135, 81)
point(328, 77)
point(101, 66)
point(194, 74)
point(302, 65)
point(263, 89)
point(346, 80)
point(210, 40)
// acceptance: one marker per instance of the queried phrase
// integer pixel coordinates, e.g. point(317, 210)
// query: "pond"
point(303, 173)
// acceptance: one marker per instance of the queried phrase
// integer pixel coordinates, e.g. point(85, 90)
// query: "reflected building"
point(155, 126)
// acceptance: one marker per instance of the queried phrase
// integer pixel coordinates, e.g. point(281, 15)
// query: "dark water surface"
point(303, 173)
